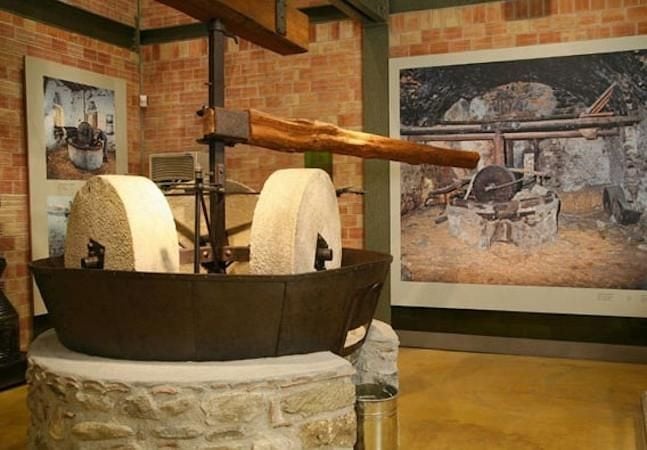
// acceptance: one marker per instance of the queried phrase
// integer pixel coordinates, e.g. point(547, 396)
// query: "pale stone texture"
point(289, 403)
point(377, 360)
point(295, 206)
point(128, 215)
point(526, 231)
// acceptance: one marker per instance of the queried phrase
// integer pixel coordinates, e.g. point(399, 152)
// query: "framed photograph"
point(76, 125)
point(554, 219)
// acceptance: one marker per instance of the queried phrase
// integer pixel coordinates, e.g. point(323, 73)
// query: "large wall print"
point(555, 217)
point(76, 124)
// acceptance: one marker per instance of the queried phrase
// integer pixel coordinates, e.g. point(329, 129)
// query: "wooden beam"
point(365, 11)
point(299, 136)
point(543, 125)
point(316, 14)
point(323, 13)
point(252, 20)
point(399, 6)
point(76, 20)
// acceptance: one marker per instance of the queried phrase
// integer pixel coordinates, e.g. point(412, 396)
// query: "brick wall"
point(157, 15)
point(323, 84)
point(20, 37)
point(514, 23)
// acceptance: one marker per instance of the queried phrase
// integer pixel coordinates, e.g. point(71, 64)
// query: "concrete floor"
point(465, 401)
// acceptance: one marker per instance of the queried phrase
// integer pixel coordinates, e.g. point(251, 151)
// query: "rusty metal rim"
point(56, 264)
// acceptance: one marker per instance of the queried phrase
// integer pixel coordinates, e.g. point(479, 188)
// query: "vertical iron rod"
point(196, 223)
point(217, 234)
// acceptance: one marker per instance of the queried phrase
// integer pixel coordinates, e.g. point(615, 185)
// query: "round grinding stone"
point(130, 217)
point(294, 207)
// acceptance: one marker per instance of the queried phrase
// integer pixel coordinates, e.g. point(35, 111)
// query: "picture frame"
point(492, 296)
point(76, 128)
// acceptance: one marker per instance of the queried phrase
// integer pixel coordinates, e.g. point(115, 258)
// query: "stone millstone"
point(130, 217)
point(294, 207)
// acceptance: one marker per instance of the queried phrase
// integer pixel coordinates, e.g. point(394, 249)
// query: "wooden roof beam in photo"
point(272, 24)
point(299, 136)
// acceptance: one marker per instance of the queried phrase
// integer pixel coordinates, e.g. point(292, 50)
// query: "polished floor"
point(469, 401)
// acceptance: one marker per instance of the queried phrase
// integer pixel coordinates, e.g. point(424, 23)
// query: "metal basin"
point(187, 317)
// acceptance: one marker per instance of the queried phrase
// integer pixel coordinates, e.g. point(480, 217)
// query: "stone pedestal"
point(528, 220)
point(376, 362)
point(84, 402)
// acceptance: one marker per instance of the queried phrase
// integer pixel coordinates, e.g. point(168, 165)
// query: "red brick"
point(452, 33)
point(399, 52)
point(419, 49)
point(479, 14)
point(538, 8)
point(460, 46)
point(482, 43)
point(637, 13)
point(587, 19)
point(494, 12)
point(431, 35)
point(566, 6)
point(613, 15)
point(495, 28)
point(625, 29)
point(582, 5)
point(522, 9)
point(526, 39)
point(438, 47)
point(548, 38)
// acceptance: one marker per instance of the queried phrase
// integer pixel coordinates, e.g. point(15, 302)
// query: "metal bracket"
point(322, 254)
point(96, 255)
point(231, 253)
point(281, 21)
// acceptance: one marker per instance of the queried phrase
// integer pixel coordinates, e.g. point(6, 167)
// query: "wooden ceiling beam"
point(365, 11)
point(255, 21)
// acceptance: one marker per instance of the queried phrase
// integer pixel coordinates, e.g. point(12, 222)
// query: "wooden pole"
point(300, 136)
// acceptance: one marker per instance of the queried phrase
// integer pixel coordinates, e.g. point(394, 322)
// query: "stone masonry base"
point(79, 401)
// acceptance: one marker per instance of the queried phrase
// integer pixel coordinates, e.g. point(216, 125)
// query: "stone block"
point(377, 360)
point(178, 432)
point(233, 408)
point(99, 431)
point(139, 406)
point(338, 431)
point(319, 398)
point(225, 433)
point(177, 406)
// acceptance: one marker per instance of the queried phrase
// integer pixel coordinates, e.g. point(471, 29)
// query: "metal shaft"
point(196, 223)
point(217, 234)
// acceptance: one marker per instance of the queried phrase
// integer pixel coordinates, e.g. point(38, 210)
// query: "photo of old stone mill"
point(560, 195)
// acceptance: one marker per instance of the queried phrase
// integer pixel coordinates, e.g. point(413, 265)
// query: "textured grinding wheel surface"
point(130, 217)
point(295, 206)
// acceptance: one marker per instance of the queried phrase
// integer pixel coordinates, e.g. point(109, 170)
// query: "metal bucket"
point(377, 417)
